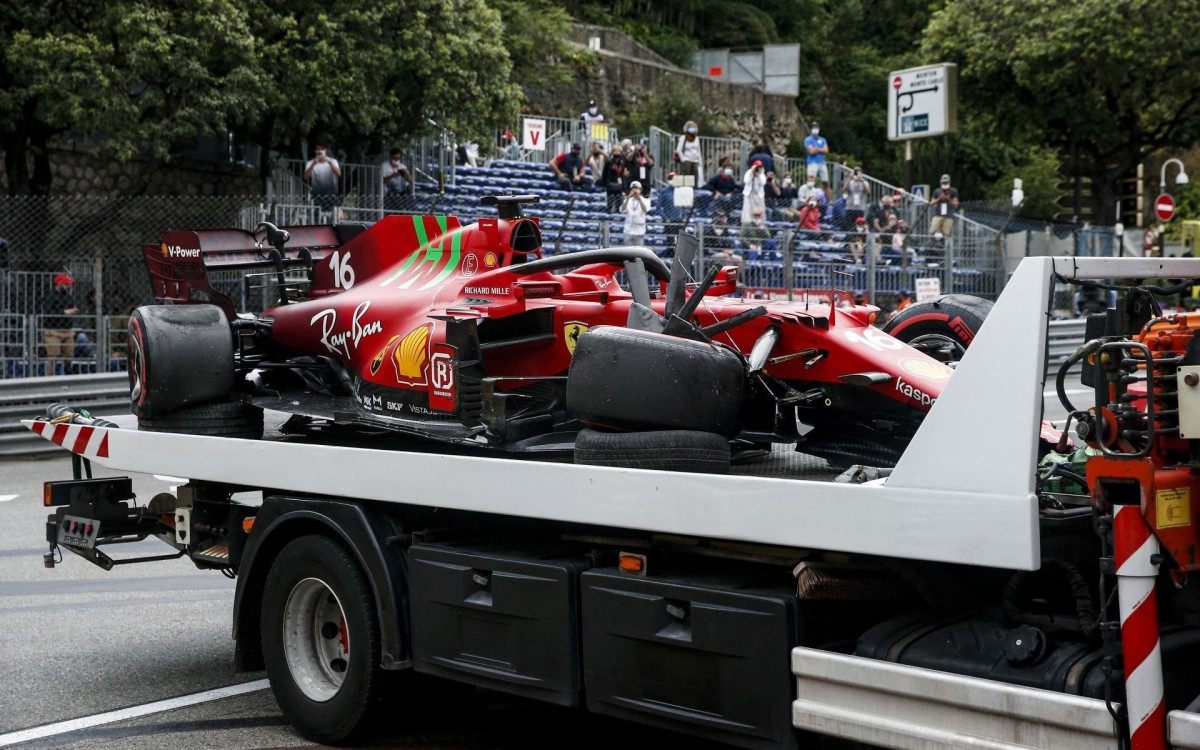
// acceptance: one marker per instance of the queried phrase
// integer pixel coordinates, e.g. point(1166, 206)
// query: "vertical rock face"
point(626, 73)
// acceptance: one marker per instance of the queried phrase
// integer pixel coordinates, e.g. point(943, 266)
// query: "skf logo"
point(175, 251)
point(411, 355)
point(571, 333)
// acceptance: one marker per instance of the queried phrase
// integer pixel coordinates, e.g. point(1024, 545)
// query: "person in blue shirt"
point(815, 149)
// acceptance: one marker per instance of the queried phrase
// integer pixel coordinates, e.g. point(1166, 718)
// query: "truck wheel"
point(221, 418)
point(320, 640)
point(179, 355)
point(665, 450)
point(636, 379)
point(942, 328)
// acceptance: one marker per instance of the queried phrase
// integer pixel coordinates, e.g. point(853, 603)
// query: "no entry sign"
point(1164, 207)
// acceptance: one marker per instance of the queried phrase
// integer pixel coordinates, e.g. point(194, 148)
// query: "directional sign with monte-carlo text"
point(922, 102)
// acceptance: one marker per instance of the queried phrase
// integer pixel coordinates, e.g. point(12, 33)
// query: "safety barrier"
point(104, 394)
point(40, 345)
point(1065, 336)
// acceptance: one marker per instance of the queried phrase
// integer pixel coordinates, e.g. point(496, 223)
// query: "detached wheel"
point(320, 640)
point(631, 379)
point(179, 355)
point(663, 450)
point(942, 328)
point(220, 418)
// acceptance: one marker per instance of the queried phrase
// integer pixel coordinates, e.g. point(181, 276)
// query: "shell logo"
point(164, 249)
point(923, 368)
point(490, 260)
point(411, 355)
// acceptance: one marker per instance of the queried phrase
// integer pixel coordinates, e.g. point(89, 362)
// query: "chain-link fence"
point(97, 242)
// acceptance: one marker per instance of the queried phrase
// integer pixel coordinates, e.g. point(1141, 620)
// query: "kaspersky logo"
point(175, 251)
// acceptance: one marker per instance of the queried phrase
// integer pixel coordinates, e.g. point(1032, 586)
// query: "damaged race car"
point(469, 334)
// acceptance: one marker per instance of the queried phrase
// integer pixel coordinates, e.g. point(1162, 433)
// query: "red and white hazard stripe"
point(1134, 551)
point(90, 442)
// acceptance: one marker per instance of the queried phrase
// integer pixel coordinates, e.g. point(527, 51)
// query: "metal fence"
point(98, 242)
point(662, 145)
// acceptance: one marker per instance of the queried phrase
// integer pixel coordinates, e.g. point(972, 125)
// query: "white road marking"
point(133, 712)
point(6, 498)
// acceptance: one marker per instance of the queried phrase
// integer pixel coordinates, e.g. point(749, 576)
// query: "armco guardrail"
point(105, 394)
point(1064, 338)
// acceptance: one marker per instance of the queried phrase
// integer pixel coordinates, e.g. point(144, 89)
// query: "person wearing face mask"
point(396, 180)
point(613, 176)
point(945, 204)
point(636, 208)
point(808, 190)
point(754, 205)
point(322, 173)
point(592, 116)
point(858, 197)
point(810, 216)
point(722, 186)
point(839, 218)
point(687, 151)
point(815, 149)
point(596, 162)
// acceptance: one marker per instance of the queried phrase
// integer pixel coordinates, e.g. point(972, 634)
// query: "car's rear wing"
point(178, 265)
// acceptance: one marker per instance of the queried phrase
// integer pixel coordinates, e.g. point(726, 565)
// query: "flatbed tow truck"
point(966, 599)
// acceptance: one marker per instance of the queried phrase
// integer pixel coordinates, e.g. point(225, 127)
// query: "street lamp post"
point(1180, 179)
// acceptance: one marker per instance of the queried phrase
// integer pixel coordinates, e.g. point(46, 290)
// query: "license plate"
point(76, 531)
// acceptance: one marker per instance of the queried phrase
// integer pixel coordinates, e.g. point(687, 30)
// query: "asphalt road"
point(77, 641)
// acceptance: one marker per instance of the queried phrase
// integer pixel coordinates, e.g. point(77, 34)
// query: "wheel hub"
point(316, 640)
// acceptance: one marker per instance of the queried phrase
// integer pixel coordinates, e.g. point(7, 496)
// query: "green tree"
point(362, 75)
point(1105, 84)
point(129, 78)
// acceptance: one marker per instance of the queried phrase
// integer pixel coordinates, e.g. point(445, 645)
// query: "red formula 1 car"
point(467, 334)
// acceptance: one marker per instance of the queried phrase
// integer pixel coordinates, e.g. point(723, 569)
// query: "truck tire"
point(943, 328)
point(179, 355)
point(220, 418)
point(664, 450)
point(626, 378)
point(320, 641)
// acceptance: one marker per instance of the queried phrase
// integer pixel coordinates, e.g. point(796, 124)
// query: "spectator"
point(510, 148)
point(640, 166)
point(788, 190)
point(322, 173)
point(754, 206)
point(762, 153)
point(719, 244)
point(722, 186)
point(667, 209)
point(772, 191)
point(396, 180)
point(945, 206)
point(568, 170)
point(808, 189)
point(467, 154)
point(881, 219)
point(596, 161)
point(613, 177)
point(687, 152)
point(815, 149)
point(839, 217)
point(860, 191)
point(592, 116)
point(57, 327)
point(810, 215)
point(636, 208)
point(899, 241)
point(858, 241)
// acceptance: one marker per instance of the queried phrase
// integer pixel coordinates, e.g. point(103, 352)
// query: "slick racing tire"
point(320, 641)
point(179, 355)
point(665, 450)
point(220, 418)
point(626, 378)
point(943, 328)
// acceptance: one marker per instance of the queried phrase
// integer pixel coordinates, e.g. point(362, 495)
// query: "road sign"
point(533, 134)
point(1164, 207)
point(923, 102)
point(928, 289)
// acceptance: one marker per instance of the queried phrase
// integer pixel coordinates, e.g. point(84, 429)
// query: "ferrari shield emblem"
point(571, 333)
